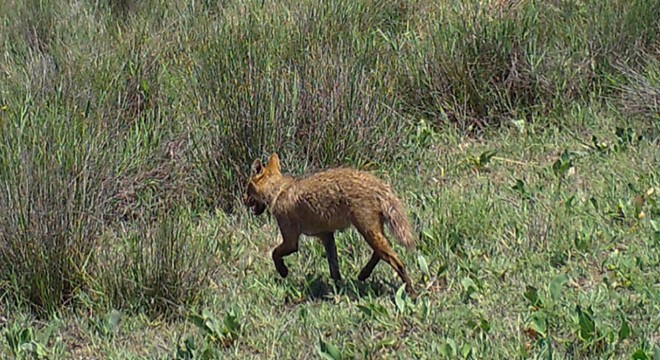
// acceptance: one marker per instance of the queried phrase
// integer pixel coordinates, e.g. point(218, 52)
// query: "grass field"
point(524, 137)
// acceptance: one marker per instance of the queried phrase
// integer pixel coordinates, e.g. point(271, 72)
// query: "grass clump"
point(156, 268)
point(52, 201)
point(482, 63)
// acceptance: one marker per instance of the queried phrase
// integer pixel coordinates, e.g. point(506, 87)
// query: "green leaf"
point(399, 298)
point(556, 166)
point(569, 201)
point(581, 243)
point(624, 331)
point(587, 324)
point(328, 351)
point(187, 349)
point(449, 348)
point(232, 326)
point(423, 265)
point(426, 234)
point(469, 285)
point(640, 355)
point(556, 286)
point(466, 351)
point(25, 335)
point(655, 225)
point(441, 270)
point(485, 157)
point(532, 294)
point(303, 313)
point(625, 136)
point(539, 323)
point(561, 165)
point(484, 325)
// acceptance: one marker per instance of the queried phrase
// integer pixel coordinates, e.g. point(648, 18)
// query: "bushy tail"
point(395, 215)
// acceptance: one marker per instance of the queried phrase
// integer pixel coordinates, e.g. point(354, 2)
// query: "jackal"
point(328, 201)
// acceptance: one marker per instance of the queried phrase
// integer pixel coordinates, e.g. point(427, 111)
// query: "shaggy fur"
point(329, 201)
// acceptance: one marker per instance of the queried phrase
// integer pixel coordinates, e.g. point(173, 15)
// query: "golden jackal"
point(328, 201)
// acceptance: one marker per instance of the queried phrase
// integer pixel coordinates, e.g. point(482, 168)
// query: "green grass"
point(522, 135)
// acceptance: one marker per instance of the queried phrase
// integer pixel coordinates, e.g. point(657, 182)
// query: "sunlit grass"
point(522, 135)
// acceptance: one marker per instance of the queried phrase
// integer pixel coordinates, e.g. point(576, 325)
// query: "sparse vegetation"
point(524, 136)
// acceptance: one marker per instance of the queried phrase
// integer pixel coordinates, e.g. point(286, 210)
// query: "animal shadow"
point(320, 288)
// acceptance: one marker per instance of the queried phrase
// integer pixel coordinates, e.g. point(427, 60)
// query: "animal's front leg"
point(288, 246)
point(328, 240)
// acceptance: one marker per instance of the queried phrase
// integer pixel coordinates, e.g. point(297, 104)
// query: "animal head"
point(261, 183)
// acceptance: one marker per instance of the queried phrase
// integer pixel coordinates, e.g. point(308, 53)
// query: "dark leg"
point(328, 240)
point(369, 268)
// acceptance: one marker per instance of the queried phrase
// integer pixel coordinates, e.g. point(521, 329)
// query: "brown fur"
point(328, 201)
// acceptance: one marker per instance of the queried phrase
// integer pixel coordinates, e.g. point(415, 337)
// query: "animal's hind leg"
point(391, 258)
point(369, 268)
point(383, 251)
point(328, 240)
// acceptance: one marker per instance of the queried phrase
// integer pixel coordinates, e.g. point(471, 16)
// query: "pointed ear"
point(274, 162)
point(257, 167)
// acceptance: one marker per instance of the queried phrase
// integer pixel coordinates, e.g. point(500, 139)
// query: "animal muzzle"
point(257, 207)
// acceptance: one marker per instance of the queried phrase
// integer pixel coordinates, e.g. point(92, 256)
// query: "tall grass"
point(156, 267)
point(481, 63)
point(278, 80)
point(113, 113)
point(638, 95)
point(52, 201)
